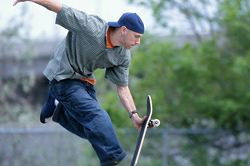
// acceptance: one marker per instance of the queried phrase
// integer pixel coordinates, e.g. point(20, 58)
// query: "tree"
point(204, 85)
point(199, 85)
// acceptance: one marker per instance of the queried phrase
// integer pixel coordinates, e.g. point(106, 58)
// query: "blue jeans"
point(83, 116)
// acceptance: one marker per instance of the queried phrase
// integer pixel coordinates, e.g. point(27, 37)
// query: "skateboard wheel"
point(156, 122)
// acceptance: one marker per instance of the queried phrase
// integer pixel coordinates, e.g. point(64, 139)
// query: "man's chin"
point(128, 48)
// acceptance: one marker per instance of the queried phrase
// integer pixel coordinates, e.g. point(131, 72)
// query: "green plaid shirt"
point(85, 49)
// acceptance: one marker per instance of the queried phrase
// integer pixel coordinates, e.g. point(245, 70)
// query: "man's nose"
point(138, 42)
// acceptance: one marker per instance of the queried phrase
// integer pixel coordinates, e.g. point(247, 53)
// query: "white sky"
point(41, 21)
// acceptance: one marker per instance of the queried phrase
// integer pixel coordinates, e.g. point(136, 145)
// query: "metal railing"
point(162, 147)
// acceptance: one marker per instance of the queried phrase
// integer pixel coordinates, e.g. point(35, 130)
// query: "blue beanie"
point(131, 21)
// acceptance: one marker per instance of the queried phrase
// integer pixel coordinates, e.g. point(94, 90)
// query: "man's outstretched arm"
point(52, 5)
point(128, 102)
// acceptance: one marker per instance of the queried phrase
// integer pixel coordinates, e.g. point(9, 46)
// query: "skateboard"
point(147, 124)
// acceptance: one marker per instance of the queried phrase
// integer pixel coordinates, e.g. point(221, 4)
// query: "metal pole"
point(164, 148)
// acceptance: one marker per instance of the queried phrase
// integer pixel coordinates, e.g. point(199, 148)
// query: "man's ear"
point(123, 30)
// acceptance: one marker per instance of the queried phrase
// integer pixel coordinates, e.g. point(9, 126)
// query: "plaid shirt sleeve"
point(118, 75)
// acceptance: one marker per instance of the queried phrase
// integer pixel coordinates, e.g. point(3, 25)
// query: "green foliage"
point(193, 85)
point(193, 16)
point(204, 85)
point(117, 112)
point(234, 16)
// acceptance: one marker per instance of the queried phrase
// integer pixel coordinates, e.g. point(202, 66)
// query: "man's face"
point(131, 38)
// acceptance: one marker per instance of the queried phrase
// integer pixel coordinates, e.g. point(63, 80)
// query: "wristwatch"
point(131, 113)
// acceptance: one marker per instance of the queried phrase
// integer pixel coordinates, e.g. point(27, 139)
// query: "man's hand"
point(137, 121)
point(52, 5)
point(17, 1)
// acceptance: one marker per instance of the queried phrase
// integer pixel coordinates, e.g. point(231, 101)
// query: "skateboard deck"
point(148, 123)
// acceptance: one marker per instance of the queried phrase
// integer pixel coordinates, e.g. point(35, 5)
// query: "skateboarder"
point(91, 43)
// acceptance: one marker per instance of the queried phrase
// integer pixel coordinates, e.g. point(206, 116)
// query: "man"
point(91, 43)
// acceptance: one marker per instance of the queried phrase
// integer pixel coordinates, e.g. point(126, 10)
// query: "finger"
point(14, 4)
point(143, 120)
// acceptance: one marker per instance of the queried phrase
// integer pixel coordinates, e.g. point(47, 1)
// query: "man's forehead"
point(137, 34)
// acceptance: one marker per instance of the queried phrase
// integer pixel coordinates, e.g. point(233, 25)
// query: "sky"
point(41, 22)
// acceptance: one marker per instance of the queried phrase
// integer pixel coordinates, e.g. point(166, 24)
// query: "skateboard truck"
point(154, 123)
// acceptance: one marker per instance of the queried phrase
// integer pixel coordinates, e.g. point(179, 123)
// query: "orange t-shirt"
point(91, 81)
point(109, 45)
